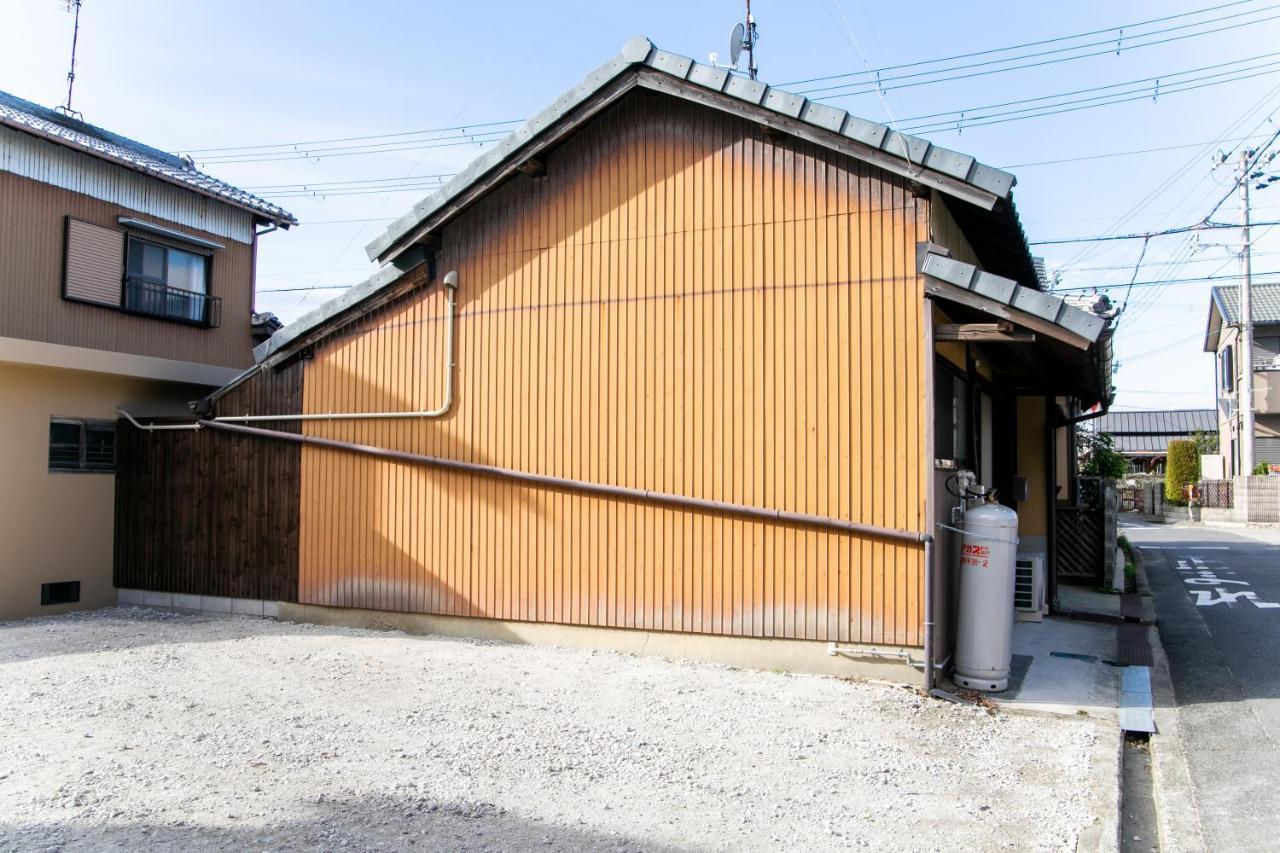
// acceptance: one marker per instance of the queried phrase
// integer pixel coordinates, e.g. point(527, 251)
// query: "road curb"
point(1106, 770)
point(1177, 811)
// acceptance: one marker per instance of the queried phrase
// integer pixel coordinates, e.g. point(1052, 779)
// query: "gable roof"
point(978, 195)
point(952, 173)
point(1265, 299)
point(1149, 432)
point(1224, 309)
point(61, 129)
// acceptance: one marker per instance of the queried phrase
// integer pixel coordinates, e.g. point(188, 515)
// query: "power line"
point(484, 132)
point(388, 136)
point(1054, 40)
point(1159, 282)
point(1169, 181)
point(1200, 226)
point(1140, 89)
point(879, 84)
point(356, 150)
point(1134, 152)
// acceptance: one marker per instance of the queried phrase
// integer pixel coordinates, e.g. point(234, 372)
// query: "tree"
point(1101, 459)
point(1182, 468)
point(1206, 442)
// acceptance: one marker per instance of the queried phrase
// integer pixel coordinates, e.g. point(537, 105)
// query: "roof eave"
point(284, 221)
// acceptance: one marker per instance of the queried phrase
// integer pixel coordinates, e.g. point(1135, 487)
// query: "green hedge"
point(1182, 468)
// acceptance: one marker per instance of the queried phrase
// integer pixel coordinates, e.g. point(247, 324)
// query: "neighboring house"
point(717, 356)
point(126, 279)
point(1224, 339)
point(1143, 437)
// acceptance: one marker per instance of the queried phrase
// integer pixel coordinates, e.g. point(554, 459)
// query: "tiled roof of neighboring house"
point(1265, 298)
point(1151, 432)
point(62, 129)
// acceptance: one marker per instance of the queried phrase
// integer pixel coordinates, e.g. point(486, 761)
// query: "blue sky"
point(185, 76)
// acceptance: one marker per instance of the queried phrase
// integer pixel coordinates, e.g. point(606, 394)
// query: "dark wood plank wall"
point(210, 513)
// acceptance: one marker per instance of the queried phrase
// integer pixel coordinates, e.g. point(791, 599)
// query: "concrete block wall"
point(197, 603)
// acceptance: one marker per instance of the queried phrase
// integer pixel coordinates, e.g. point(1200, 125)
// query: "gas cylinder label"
point(976, 555)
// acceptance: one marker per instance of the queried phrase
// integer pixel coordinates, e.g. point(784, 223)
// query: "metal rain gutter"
point(451, 291)
point(821, 522)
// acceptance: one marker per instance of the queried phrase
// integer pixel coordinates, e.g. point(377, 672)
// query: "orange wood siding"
point(680, 305)
point(32, 254)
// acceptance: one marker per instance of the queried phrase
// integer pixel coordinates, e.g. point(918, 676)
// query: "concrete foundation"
point(802, 656)
point(197, 603)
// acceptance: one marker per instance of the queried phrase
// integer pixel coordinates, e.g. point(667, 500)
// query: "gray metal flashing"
point(995, 287)
point(867, 132)
point(1005, 291)
point(919, 156)
point(144, 225)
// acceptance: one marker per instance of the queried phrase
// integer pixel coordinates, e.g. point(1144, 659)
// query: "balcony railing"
point(1267, 362)
point(153, 299)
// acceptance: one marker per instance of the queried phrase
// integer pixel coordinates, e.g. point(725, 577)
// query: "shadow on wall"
point(377, 822)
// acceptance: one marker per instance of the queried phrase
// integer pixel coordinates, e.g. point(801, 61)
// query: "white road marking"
point(1205, 576)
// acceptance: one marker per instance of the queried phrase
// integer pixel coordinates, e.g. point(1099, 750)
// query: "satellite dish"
point(735, 43)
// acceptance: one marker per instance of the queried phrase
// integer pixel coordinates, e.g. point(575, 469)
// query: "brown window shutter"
point(95, 263)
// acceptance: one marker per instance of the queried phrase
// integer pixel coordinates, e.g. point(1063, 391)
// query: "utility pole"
point(1246, 311)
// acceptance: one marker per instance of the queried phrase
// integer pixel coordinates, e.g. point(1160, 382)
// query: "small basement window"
point(77, 444)
point(62, 592)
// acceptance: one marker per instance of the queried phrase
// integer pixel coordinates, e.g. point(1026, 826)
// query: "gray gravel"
point(134, 728)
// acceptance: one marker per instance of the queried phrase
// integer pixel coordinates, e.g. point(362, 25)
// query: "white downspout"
point(451, 288)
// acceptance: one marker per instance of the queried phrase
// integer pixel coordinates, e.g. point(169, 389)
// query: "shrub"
point(1262, 468)
point(1182, 468)
point(1101, 459)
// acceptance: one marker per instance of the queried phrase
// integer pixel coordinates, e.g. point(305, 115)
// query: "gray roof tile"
point(1265, 298)
point(919, 153)
point(1152, 430)
point(64, 130)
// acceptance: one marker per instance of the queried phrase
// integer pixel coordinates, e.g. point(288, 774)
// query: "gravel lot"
point(134, 728)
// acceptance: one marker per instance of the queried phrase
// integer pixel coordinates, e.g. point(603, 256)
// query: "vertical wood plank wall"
point(680, 304)
point(208, 513)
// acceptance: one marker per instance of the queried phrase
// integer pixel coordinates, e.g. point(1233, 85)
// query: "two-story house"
point(1224, 338)
point(126, 280)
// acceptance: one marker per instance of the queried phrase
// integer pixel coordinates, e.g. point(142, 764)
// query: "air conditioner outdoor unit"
point(1028, 587)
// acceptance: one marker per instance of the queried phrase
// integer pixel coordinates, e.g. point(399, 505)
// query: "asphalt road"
point(1217, 600)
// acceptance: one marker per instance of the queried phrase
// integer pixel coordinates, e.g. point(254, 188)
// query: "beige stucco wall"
point(58, 526)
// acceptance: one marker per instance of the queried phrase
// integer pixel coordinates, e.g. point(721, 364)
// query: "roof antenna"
point(744, 37)
point(65, 109)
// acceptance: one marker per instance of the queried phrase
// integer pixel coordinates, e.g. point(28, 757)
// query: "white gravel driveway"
point(134, 729)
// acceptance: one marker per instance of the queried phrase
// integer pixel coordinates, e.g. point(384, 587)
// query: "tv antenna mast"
point(744, 37)
point(65, 109)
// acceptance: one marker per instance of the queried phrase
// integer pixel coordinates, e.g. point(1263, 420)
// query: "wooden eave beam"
point(946, 290)
point(990, 333)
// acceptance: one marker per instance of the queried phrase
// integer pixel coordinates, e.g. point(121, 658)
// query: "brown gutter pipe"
point(821, 522)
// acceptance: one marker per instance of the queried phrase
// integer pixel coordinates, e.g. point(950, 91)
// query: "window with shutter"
point(94, 263)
